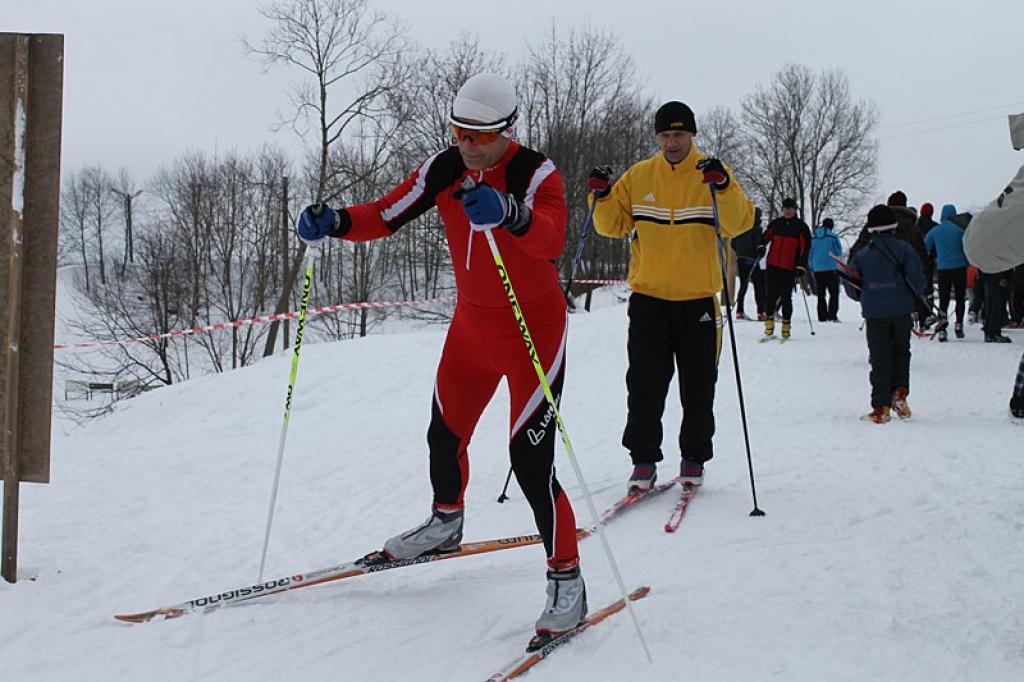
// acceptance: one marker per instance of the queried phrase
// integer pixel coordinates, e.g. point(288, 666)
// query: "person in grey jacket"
point(994, 241)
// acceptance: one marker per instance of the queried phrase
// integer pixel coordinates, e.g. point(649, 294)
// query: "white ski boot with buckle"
point(566, 606)
point(440, 533)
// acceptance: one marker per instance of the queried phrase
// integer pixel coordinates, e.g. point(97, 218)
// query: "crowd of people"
point(905, 269)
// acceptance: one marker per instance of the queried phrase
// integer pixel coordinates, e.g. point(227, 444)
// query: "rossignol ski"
point(685, 496)
point(631, 500)
point(374, 562)
point(371, 563)
point(535, 656)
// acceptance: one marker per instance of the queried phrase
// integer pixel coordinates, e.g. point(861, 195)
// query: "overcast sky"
point(146, 80)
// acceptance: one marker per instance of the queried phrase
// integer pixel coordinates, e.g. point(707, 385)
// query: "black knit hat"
point(789, 202)
point(880, 219)
point(675, 116)
point(897, 198)
point(827, 222)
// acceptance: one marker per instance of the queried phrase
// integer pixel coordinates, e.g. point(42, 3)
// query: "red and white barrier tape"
point(256, 320)
point(262, 319)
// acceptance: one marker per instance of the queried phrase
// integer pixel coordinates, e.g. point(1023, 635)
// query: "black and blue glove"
point(714, 173)
point(600, 181)
point(487, 208)
point(319, 221)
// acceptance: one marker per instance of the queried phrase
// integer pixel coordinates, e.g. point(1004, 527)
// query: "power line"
point(948, 116)
point(934, 130)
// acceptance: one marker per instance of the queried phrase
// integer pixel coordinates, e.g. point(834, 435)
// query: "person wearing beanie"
point(994, 242)
point(889, 277)
point(824, 245)
point(945, 242)
point(906, 230)
point(926, 222)
point(675, 274)
point(786, 244)
point(486, 181)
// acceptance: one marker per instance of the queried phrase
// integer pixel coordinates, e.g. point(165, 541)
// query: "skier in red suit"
point(518, 194)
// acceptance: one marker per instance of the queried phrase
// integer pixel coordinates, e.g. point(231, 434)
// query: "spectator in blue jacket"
point(946, 242)
point(888, 280)
point(824, 245)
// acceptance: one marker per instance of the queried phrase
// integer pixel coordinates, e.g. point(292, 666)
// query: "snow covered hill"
point(888, 552)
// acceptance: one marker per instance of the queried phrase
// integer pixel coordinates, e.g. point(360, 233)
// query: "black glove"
point(600, 181)
point(761, 248)
point(714, 173)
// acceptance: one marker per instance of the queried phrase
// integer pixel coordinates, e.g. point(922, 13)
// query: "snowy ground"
point(888, 552)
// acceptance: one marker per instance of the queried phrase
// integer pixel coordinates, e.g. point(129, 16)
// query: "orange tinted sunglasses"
point(475, 137)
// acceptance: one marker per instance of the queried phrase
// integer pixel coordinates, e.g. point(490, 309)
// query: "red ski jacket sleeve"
point(526, 174)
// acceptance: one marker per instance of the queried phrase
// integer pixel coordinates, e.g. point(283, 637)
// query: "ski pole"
point(941, 321)
point(583, 239)
point(735, 356)
point(468, 184)
point(807, 308)
point(306, 286)
point(746, 283)
point(572, 275)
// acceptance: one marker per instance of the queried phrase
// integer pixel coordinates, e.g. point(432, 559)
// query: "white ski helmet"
point(487, 101)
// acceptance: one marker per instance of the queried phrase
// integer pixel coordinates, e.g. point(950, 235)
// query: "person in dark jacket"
point(926, 222)
point(906, 231)
point(745, 246)
point(787, 242)
point(890, 277)
point(824, 245)
point(924, 225)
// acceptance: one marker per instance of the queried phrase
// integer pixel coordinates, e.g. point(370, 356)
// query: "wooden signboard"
point(31, 100)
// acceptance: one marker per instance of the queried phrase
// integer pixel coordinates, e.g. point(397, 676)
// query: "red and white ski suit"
point(484, 342)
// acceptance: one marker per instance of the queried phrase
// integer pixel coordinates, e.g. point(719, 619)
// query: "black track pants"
point(663, 336)
point(827, 282)
point(889, 353)
point(779, 289)
point(955, 280)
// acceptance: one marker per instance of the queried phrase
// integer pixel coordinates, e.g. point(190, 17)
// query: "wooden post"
point(31, 80)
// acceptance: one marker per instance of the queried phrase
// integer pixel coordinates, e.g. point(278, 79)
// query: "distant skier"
point(886, 268)
point(995, 241)
point(824, 245)
point(788, 243)
point(745, 247)
point(945, 240)
point(519, 193)
point(674, 271)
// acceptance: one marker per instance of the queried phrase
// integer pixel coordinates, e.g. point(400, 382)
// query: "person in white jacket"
point(994, 240)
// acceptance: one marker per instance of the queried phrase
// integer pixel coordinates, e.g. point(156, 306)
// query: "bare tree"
point(74, 220)
point(581, 104)
point(720, 135)
point(97, 189)
point(342, 45)
point(809, 139)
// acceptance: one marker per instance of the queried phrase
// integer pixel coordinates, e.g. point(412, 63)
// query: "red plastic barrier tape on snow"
point(255, 320)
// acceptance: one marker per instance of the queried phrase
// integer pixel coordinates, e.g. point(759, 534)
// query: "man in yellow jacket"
point(674, 272)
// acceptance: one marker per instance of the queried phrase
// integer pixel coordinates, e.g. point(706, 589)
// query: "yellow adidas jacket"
point(674, 255)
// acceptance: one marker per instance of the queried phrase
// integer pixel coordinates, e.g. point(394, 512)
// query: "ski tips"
point(146, 616)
